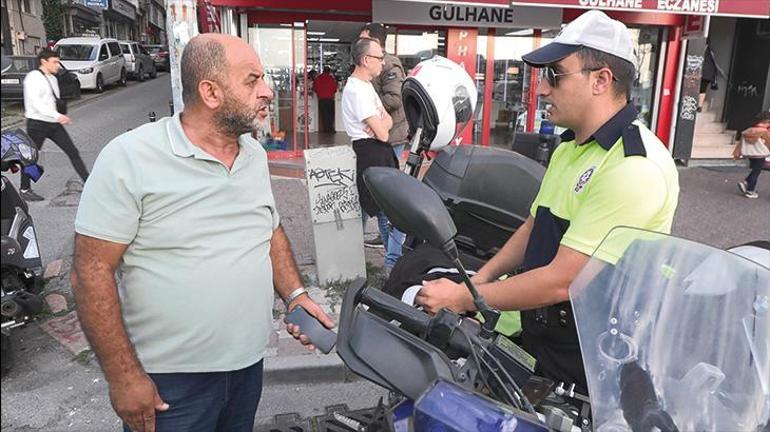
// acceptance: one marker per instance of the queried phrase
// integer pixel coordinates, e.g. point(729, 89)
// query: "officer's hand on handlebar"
point(443, 293)
point(479, 279)
point(313, 309)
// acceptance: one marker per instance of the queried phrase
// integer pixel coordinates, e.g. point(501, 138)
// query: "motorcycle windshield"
point(674, 335)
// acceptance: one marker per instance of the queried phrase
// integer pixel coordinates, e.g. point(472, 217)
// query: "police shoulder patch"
point(391, 76)
point(584, 178)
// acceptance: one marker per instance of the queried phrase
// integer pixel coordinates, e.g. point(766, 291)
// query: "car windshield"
point(21, 64)
point(126, 49)
point(155, 49)
point(76, 52)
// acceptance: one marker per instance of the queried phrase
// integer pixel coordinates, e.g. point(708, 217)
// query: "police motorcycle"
point(21, 272)
point(675, 335)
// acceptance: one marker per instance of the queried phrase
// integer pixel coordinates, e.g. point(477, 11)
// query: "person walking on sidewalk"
point(46, 114)
point(183, 210)
point(367, 124)
point(325, 87)
point(755, 146)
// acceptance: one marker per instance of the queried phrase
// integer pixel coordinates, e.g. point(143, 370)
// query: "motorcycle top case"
point(487, 190)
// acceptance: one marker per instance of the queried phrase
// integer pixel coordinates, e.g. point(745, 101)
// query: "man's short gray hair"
point(361, 49)
point(201, 60)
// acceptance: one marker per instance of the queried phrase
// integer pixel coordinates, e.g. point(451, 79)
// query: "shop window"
point(511, 83)
point(414, 46)
point(274, 45)
point(647, 40)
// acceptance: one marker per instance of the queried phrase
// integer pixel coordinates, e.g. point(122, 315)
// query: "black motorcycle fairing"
point(487, 191)
point(11, 252)
point(367, 344)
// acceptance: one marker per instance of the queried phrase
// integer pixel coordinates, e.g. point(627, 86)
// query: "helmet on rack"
point(439, 97)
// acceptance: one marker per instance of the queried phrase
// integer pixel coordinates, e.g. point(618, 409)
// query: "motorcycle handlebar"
point(411, 319)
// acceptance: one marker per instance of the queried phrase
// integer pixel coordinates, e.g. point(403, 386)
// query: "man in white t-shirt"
point(367, 124)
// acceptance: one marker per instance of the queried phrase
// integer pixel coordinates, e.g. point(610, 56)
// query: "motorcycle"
point(21, 272)
point(649, 367)
point(675, 335)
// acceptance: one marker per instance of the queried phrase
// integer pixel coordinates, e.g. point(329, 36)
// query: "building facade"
point(23, 32)
point(297, 37)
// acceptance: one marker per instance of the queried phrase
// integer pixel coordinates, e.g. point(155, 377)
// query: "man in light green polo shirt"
point(609, 171)
point(183, 210)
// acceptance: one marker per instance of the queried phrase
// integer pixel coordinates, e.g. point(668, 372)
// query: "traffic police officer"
point(609, 171)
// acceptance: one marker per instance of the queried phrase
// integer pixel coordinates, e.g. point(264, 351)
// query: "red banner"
point(738, 8)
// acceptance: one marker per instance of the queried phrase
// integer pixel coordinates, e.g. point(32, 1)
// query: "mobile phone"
point(320, 336)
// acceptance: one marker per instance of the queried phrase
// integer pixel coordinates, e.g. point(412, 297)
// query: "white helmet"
point(440, 97)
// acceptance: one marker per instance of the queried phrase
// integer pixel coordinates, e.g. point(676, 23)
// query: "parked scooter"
point(21, 272)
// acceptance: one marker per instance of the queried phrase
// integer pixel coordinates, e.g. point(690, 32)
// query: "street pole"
point(181, 26)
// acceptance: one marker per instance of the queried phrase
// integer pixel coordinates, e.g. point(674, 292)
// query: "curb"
point(306, 368)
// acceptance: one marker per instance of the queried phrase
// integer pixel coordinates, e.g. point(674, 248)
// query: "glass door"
point(647, 40)
point(273, 43)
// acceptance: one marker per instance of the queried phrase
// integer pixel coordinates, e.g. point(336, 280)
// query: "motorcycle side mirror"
point(412, 206)
point(416, 209)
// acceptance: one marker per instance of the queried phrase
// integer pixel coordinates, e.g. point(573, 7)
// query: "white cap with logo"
point(594, 29)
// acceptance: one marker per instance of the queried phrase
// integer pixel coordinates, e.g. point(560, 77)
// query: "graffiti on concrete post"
point(692, 71)
point(331, 183)
point(748, 90)
point(689, 108)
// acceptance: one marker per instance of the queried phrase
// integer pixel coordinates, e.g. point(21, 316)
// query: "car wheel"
point(140, 74)
point(99, 83)
point(122, 81)
point(154, 72)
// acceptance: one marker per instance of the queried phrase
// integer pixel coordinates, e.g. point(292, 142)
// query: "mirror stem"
point(414, 161)
point(490, 314)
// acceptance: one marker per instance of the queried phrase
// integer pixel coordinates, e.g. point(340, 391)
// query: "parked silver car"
point(138, 61)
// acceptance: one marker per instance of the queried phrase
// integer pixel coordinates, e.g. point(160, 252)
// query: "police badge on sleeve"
point(584, 178)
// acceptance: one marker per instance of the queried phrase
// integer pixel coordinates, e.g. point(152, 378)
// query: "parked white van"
point(96, 62)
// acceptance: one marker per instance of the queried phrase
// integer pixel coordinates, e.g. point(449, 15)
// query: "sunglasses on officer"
point(551, 76)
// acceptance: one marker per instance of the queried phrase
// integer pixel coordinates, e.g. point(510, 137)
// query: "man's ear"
point(211, 94)
point(602, 81)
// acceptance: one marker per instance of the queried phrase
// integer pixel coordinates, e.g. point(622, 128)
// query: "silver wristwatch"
point(293, 295)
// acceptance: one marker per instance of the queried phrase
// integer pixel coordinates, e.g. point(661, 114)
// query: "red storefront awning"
point(737, 8)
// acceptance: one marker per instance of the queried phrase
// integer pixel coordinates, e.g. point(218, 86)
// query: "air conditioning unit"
point(20, 35)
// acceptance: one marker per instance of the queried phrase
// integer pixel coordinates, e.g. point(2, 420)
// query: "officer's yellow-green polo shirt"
point(621, 176)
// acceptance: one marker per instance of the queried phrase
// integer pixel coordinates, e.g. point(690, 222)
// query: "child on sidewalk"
point(754, 145)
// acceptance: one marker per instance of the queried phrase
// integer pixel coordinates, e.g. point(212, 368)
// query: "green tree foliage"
point(53, 21)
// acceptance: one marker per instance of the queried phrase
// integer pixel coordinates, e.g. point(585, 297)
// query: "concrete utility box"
point(335, 213)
